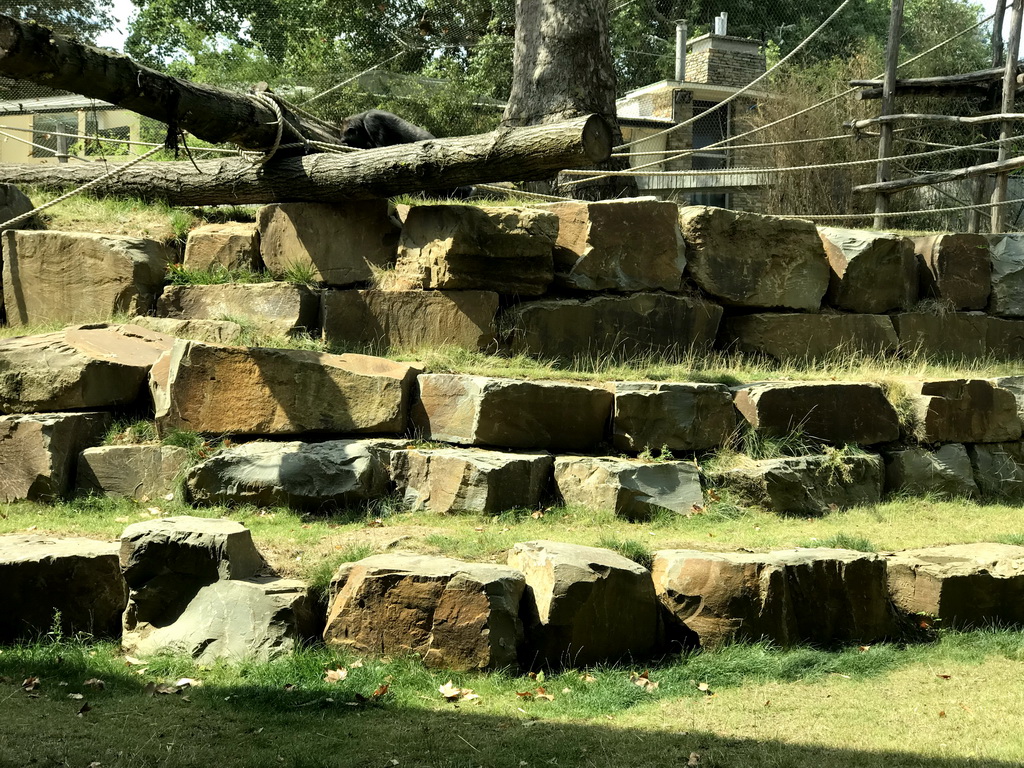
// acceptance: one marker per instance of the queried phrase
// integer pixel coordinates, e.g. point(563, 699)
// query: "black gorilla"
point(376, 128)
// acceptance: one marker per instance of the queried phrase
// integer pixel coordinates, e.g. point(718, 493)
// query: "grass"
point(946, 704)
point(215, 275)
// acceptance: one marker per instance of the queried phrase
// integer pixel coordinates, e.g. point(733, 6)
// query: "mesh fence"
point(447, 65)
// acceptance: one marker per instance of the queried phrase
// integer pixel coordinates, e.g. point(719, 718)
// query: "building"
point(46, 129)
point(709, 69)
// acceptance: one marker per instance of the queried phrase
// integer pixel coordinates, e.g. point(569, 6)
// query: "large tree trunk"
point(518, 154)
point(563, 68)
point(39, 55)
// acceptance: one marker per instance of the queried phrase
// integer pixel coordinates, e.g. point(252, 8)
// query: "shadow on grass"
point(251, 715)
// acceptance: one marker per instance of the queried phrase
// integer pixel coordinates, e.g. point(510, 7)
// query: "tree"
point(563, 68)
point(83, 19)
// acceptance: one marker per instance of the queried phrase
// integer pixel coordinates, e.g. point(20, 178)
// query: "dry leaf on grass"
point(644, 681)
point(95, 682)
point(453, 693)
point(335, 675)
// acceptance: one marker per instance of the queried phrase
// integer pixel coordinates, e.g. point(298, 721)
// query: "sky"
point(122, 10)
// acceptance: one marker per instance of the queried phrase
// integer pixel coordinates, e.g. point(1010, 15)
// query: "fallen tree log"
point(39, 55)
point(510, 154)
point(937, 119)
point(942, 81)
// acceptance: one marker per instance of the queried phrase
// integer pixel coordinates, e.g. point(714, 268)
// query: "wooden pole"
point(892, 55)
point(510, 154)
point(981, 182)
point(1009, 96)
point(937, 177)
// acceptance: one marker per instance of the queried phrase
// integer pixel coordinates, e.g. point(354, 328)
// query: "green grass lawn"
point(956, 701)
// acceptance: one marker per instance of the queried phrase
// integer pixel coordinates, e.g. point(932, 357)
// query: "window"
point(46, 128)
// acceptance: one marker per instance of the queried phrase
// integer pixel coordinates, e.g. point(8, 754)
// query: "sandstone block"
point(166, 562)
point(1007, 296)
point(466, 479)
point(748, 260)
point(73, 277)
point(1015, 386)
point(998, 469)
point(676, 416)
point(304, 475)
point(38, 452)
point(456, 615)
point(465, 247)
point(800, 336)
point(141, 472)
point(41, 575)
point(955, 269)
point(964, 585)
point(636, 325)
point(872, 272)
point(410, 319)
point(965, 411)
point(210, 331)
point(263, 391)
point(946, 335)
point(282, 308)
point(634, 489)
point(511, 413)
point(836, 412)
point(819, 596)
point(586, 605)
point(233, 245)
point(1004, 338)
point(946, 471)
point(254, 619)
point(806, 485)
point(618, 245)
point(339, 243)
point(77, 368)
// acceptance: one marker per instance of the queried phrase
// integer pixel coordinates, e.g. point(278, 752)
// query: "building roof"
point(67, 103)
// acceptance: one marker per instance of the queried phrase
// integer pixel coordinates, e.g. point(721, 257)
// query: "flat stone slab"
point(965, 411)
point(263, 391)
point(944, 335)
point(618, 245)
point(631, 488)
point(585, 605)
point(945, 471)
point(333, 473)
point(232, 245)
point(679, 416)
point(456, 615)
point(410, 319)
point(511, 413)
point(79, 368)
point(801, 336)
point(141, 472)
point(806, 485)
point(339, 244)
point(872, 272)
point(505, 249)
point(447, 480)
point(281, 308)
point(75, 277)
point(819, 596)
point(955, 268)
point(210, 331)
point(749, 260)
point(41, 576)
point(836, 412)
point(963, 585)
point(640, 324)
point(166, 562)
point(255, 619)
point(38, 452)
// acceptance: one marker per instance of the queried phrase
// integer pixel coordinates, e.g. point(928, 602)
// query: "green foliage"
point(631, 549)
point(841, 541)
point(123, 432)
point(300, 273)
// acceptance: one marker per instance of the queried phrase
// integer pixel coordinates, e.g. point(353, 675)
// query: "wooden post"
point(1009, 95)
point(981, 183)
point(892, 55)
